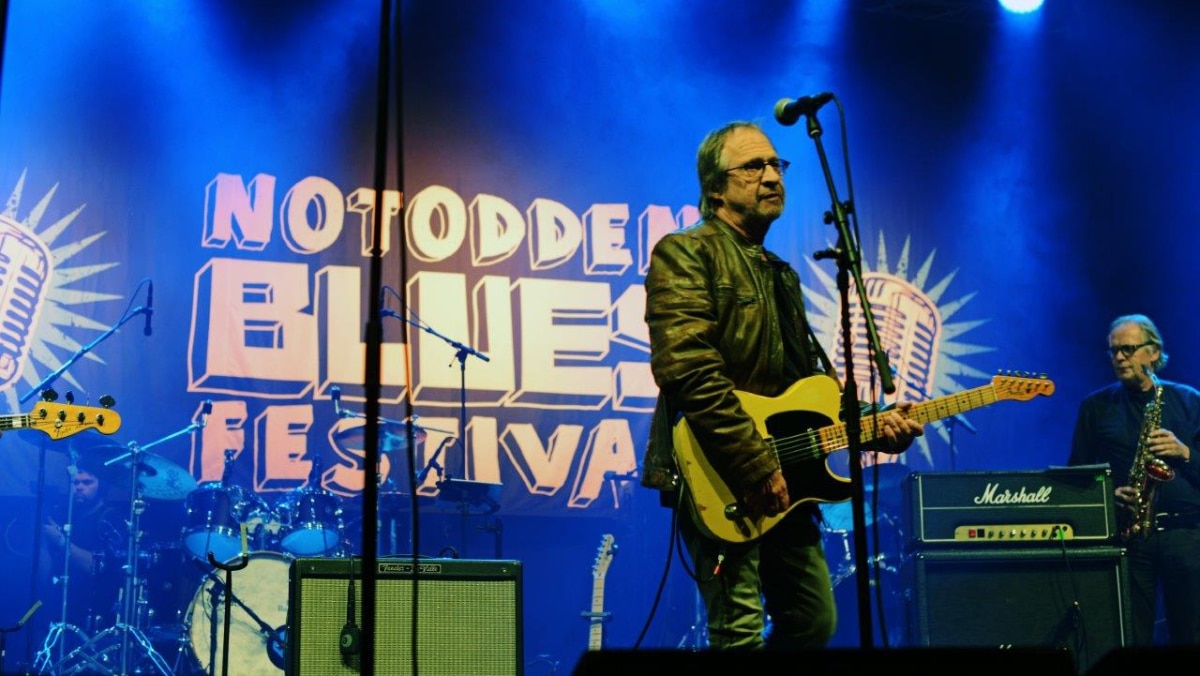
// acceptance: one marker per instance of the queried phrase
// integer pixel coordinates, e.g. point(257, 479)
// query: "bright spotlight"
point(1021, 6)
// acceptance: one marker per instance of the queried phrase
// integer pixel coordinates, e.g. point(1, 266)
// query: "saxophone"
point(1147, 472)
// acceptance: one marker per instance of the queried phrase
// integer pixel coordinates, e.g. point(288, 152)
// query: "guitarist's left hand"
point(896, 430)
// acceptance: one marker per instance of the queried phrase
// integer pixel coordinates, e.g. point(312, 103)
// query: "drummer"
point(97, 541)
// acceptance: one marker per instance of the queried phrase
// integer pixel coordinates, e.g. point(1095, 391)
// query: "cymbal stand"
point(132, 593)
point(67, 528)
point(55, 638)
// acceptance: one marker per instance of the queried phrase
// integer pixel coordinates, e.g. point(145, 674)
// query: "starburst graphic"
point(37, 303)
point(924, 346)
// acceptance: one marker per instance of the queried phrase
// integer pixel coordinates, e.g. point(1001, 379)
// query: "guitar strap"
point(790, 295)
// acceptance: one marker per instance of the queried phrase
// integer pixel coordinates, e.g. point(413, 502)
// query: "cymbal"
point(393, 435)
point(161, 479)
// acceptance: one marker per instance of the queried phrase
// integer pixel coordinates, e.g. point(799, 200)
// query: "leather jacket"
point(718, 323)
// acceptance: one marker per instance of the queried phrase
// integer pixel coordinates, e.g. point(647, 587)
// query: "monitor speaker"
point(1076, 599)
point(468, 616)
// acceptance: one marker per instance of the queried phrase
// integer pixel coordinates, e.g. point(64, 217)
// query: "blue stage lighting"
point(1021, 6)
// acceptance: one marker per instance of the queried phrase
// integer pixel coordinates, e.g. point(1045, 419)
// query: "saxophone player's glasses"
point(1127, 350)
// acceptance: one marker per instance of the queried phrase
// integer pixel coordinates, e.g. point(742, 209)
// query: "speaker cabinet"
point(1075, 599)
point(468, 617)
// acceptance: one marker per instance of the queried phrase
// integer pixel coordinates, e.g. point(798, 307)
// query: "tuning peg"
point(107, 401)
point(70, 397)
point(49, 394)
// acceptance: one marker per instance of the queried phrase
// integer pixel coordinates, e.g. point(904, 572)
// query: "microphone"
point(350, 639)
point(789, 111)
point(149, 311)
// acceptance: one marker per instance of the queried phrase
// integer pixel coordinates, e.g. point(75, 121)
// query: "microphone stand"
point(461, 354)
point(447, 482)
point(49, 395)
point(849, 261)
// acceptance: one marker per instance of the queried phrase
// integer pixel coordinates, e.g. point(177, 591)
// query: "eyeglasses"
point(1127, 350)
point(754, 168)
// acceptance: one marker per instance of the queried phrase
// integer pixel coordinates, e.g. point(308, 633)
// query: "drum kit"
point(173, 599)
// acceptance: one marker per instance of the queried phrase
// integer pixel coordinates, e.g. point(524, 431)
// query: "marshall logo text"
point(992, 496)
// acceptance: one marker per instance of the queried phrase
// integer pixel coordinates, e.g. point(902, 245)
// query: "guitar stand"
point(243, 561)
point(275, 636)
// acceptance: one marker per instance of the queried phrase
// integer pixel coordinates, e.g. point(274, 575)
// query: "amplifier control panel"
point(1025, 532)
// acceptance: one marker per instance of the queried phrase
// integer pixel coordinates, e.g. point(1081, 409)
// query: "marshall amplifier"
point(1068, 505)
point(1074, 599)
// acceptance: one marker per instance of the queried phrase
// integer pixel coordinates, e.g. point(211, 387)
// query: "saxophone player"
point(1147, 430)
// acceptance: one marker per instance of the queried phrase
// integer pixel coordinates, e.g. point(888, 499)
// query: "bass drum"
point(262, 588)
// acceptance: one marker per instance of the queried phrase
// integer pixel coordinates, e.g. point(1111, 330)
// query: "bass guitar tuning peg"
point(107, 401)
point(49, 394)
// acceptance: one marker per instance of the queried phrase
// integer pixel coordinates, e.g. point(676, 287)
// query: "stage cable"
point(374, 341)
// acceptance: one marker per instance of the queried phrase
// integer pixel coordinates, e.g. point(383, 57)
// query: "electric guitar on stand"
point(597, 617)
point(800, 426)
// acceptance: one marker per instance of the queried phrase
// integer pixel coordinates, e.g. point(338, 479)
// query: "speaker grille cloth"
point(463, 626)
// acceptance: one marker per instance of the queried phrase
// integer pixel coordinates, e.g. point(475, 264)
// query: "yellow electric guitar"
point(799, 425)
point(63, 420)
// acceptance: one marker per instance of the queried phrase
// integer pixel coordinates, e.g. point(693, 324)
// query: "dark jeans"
point(1170, 559)
point(784, 573)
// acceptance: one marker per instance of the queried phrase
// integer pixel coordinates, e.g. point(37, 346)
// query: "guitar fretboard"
point(835, 437)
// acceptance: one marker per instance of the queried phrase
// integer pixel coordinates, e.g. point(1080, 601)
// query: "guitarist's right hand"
point(769, 497)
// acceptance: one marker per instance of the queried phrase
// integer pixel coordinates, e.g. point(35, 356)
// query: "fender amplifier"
point(1067, 505)
point(468, 616)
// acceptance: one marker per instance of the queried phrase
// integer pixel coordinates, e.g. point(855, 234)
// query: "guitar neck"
point(12, 422)
point(596, 632)
point(835, 436)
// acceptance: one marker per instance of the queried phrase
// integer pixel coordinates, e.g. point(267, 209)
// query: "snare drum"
point(311, 522)
point(261, 587)
point(214, 521)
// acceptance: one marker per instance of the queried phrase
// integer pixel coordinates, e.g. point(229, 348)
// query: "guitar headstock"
point(1022, 386)
point(63, 420)
point(604, 556)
